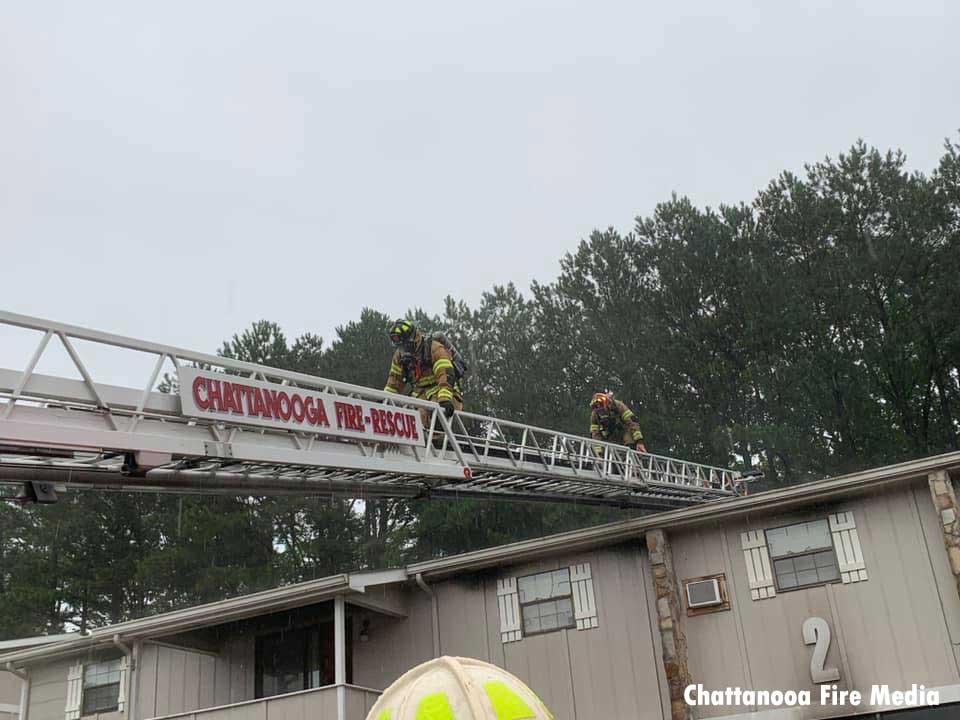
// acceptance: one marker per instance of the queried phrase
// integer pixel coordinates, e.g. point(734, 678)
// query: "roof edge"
point(302, 593)
point(778, 498)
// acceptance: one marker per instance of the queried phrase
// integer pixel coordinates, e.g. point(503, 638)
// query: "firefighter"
point(426, 365)
point(612, 421)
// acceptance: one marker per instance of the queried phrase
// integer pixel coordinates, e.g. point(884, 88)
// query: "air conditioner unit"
point(703, 593)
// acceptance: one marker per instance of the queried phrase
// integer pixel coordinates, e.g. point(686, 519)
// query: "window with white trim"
point(101, 687)
point(802, 555)
point(546, 601)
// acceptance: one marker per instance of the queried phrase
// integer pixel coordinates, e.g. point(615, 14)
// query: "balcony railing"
point(317, 704)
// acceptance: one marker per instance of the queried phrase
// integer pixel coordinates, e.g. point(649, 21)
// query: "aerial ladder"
point(238, 428)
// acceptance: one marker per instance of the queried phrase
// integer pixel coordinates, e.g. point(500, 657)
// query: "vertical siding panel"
point(148, 681)
point(208, 679)
point(900, 601)
point(239, 670)
point(222, 674)
point(48, 691)
point(597, 656)
point(932, 541)
point(395, 644)
point(548, 671)
point(740, 599)
point(461, 609)
point(164, 669)
point(191, 681)
point(712, 639)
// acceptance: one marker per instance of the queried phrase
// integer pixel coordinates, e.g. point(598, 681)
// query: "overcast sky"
point(174, 171)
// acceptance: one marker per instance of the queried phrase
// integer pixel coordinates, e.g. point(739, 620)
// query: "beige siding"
point(175, 681)
point(9, 694)
point(608, 671)
point(395, 644)
point(48, 691)
point(890, 629)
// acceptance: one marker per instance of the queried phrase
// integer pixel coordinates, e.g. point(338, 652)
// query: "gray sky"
point(175, 171)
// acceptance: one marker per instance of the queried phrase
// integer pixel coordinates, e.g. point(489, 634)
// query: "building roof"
point(6, 645)
point(355, 584)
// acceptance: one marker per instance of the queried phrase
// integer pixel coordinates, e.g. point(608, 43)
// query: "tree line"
point(810, 332)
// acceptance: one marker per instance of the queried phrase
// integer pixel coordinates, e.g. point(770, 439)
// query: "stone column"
point(945, 501)
point(672, 638)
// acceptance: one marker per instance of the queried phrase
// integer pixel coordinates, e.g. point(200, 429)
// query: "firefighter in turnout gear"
point(612, 421)
point(425, 364)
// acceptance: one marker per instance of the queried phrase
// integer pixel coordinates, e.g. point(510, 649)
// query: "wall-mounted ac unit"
point(703, 593)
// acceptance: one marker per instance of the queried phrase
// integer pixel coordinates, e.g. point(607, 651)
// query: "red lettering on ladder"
point(201, 402)
point(270, 403)
point(213, 395)
point(322, 414)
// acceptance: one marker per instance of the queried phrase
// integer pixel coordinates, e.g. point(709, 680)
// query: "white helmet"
point(453, 688)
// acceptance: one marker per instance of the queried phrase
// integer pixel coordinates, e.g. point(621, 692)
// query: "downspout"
point(24, 711)
point(435, 608)
point(132, 668)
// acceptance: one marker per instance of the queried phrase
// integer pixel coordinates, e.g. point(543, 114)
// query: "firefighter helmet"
point(454, 688)
point(600, 400)
point(402, 332)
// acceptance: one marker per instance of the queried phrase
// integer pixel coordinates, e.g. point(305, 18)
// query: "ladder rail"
point(73, 427)
point(613, 461)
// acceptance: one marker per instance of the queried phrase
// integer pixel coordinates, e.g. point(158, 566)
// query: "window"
point(546, 601)
point(101, 687)
point(298, 658)
point(802, 555)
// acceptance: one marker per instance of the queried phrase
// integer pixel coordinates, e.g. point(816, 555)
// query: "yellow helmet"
point(454, 688)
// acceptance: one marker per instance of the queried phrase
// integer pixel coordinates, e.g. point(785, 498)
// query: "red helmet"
point(600, 400)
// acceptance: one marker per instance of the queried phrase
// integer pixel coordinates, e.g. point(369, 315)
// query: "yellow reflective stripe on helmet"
point(507, 705)
point(434, 707)
point(389, 389)
point(385, 715)
point(441, 364)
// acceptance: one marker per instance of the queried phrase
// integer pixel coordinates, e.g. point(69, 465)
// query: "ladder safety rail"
point(579, 455)
point(90, 433)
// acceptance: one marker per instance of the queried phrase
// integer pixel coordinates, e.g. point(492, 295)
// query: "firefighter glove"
point(447, 408)
point(641, 447)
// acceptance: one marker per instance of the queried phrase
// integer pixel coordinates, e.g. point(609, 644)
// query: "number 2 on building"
point(816, 632)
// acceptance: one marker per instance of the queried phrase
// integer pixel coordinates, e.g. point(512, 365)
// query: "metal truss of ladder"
point(88, 433)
